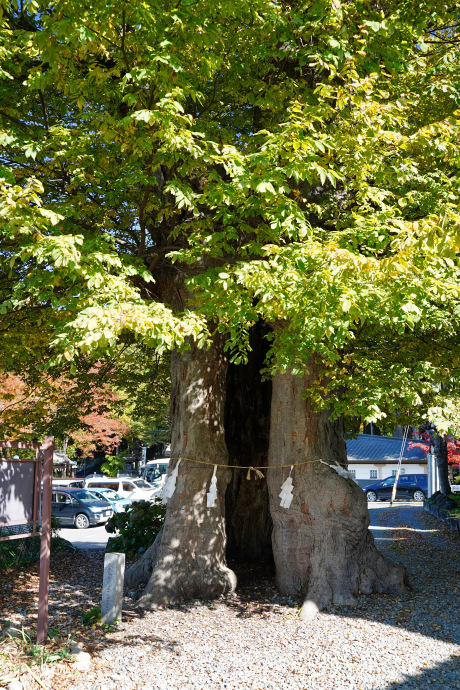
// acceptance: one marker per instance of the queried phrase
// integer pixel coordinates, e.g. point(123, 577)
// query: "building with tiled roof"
point(371, 458)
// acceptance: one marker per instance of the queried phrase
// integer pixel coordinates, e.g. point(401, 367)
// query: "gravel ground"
point(253, 639)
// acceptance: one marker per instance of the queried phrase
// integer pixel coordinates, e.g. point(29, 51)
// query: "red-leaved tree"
point(83, 411)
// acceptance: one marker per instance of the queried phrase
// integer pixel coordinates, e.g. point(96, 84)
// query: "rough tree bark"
point(187, 559)
point(442, 462)
point(322, 547)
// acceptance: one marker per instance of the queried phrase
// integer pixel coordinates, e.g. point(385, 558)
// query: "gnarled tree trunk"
point(187, 559)
point(321, 544)
point(322, 547)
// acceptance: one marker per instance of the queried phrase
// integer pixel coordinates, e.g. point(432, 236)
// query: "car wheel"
point(418, 495)
point(81, 521)
point(371, 496)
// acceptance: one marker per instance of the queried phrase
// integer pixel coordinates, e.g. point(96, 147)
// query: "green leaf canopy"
point(296, 163)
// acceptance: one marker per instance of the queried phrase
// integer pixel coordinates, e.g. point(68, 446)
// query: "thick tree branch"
point(45, 115)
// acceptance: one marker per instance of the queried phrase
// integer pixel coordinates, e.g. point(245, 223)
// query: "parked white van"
point(154, 469)
point(128, 487)
point(67, 483)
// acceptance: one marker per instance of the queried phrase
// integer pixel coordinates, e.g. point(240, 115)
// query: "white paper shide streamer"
point(340, 470)
point(170, 484)
point(286, 492)
point(212, 493)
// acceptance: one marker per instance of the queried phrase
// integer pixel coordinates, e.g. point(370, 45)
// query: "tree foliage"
point(136, 527)
point(28, 412)
point(291, 162)
point(141, 380)
point(453, 449)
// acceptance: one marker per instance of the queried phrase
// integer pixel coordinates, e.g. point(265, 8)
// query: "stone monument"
point(112, 587)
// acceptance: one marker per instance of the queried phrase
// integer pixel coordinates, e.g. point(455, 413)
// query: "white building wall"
point(363, 470)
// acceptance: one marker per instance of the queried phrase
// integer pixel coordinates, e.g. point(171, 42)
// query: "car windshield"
point(158, 480)
point(389, 482)
point(141, 484)
point(111, 495)
point(85, 496)
point(99, 496)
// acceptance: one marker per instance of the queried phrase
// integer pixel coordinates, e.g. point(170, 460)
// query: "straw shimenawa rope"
point(250, 468)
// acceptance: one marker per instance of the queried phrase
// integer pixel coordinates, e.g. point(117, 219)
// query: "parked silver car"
point(118, 503)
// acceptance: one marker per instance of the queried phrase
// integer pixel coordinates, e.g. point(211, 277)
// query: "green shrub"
point(455, 498)
point(18, 553)
point(137, 527)
point(114, 463)
point(92, 616)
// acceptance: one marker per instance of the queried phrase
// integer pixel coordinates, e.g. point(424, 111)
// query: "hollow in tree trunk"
point(247, 430)
point(322, 546)
point(187, 559)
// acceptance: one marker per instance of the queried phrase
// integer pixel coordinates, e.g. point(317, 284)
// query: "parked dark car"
point(409, 486)
point(79, 507)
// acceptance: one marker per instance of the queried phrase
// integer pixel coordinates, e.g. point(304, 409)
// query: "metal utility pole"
point(398, 471)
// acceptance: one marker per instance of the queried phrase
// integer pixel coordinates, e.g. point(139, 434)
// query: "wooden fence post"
point(45, 543)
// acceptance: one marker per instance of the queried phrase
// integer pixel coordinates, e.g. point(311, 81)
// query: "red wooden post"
point(45, 541)
point(37, 492)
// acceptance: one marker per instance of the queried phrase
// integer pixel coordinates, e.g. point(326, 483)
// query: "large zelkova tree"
point(257, 187)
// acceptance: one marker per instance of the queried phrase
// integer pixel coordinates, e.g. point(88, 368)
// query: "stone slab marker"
point(112, 587)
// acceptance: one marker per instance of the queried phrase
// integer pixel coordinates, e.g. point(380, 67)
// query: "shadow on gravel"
point(429, 609)
point(256, 594)
point(444, 676)
point(431, 555)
